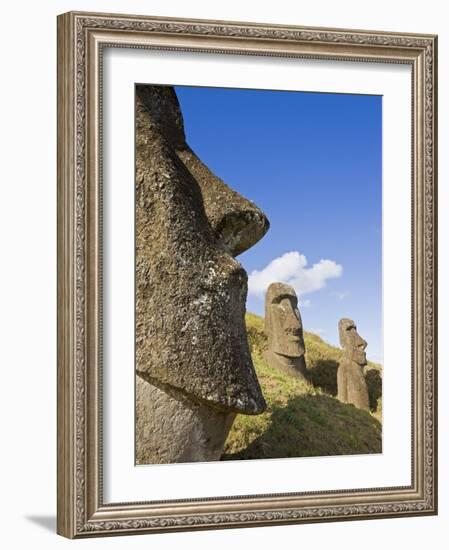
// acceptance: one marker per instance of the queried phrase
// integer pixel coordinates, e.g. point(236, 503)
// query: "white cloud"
point(291, 268)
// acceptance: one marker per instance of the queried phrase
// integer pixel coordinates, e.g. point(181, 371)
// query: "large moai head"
point(283, 324)
point(190, 291)
point(352, 343)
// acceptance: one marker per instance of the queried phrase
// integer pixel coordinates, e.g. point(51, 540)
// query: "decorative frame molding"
point(81, 38)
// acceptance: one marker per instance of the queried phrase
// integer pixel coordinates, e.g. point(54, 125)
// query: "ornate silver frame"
point(81, 38)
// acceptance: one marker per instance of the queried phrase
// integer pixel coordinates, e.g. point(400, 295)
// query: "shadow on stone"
point(315, 425)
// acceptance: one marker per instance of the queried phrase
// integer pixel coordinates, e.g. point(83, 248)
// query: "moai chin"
point(194, 371)
point(283, 327)
point(351, 381)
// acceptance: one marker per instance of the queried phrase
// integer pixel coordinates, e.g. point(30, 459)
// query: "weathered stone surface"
point(236, 222)
point(191, 346)
point(170, 427)
point(283, 327)
point(351, 381)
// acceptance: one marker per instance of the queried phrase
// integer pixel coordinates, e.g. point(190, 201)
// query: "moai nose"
point(237, 222)
point(362, 343)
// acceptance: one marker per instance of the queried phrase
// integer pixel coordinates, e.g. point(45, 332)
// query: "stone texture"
point(284, 330)
point(351, 381)
point(192, 355)
point(183, 430)
point(236, 222)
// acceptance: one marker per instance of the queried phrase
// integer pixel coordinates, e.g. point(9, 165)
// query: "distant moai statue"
point(351, 381)
point(283, 327)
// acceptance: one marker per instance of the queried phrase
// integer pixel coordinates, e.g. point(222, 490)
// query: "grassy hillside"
point(305, 418)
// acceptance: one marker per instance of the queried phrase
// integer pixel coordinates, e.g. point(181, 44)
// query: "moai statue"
point(351, 381)
point(194, 371)
point(283, 327)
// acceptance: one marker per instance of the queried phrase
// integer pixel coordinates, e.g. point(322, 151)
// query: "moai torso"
point(351, 381)
point(283, 327)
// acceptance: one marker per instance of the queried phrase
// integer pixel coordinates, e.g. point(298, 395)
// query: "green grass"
point(303, 417)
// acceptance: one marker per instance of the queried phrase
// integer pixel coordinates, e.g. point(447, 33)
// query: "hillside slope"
point(304, 418)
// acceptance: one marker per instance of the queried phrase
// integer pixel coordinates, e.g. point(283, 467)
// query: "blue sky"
point(313, 163)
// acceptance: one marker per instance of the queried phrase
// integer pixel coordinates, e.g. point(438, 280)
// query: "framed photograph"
point(247, 282)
